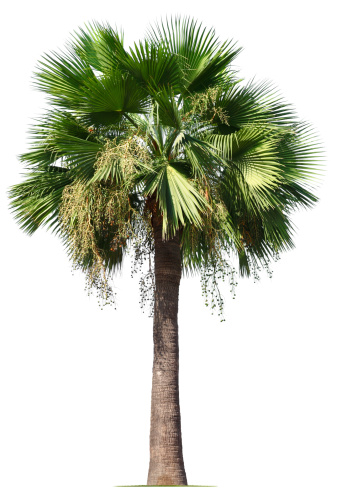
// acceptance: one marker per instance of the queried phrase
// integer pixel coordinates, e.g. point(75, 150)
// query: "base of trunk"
point(169, 478)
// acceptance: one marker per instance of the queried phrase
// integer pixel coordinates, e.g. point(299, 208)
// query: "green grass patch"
point(166, 486)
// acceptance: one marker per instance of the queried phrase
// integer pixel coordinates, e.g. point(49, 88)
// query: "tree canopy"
point(164, 125)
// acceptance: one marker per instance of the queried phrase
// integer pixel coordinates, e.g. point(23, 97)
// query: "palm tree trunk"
point(166, 455)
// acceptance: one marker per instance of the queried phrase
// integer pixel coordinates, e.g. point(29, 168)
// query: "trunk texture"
point(166, 455)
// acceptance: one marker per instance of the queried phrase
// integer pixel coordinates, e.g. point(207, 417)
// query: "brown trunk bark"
point(166, 455)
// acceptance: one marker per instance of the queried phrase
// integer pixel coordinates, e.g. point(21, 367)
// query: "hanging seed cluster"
point(202, 102)
point(119, 157)
point(143, 262)
point(218, 268)
point(211, 274)
point(97, 217)
point(146, 281)
point(89, 214)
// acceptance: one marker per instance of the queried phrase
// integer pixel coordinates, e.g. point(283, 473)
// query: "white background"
point(260, 393)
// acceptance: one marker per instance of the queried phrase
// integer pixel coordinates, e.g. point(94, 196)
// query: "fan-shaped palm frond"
point(203, 61)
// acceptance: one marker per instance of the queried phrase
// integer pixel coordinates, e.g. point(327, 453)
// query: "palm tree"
point(162, 149)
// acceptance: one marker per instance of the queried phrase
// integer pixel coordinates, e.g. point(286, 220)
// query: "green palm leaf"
point(178, 200)
point(35, 201)
point(202, 60)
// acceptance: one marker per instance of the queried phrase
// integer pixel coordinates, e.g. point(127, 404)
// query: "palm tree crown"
point(164, 127)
